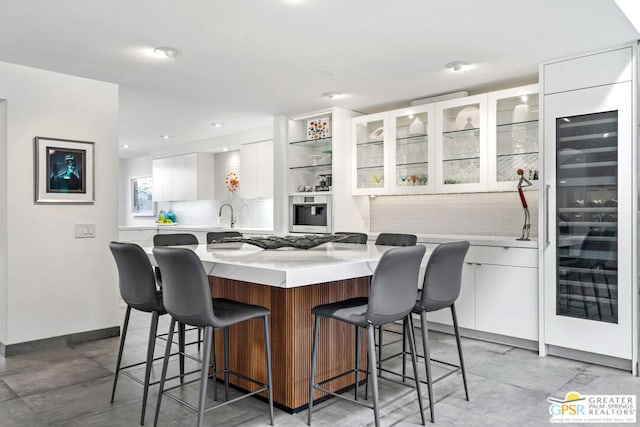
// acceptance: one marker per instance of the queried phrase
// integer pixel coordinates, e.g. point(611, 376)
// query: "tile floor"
point(508, 387)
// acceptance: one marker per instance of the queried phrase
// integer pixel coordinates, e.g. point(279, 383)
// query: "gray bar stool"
point(393, 239)
point(391, 298)
point(176, 239)
point(138, 290)
point(349, 237)
point(187, 297)
point(440, 289)
point(214, 236)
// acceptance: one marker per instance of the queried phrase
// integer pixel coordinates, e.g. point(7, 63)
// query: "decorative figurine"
point(523, 183)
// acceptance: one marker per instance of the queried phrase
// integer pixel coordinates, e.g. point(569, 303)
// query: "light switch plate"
point(84, 231)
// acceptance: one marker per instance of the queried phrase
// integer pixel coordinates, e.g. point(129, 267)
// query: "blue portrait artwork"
point(66, 170)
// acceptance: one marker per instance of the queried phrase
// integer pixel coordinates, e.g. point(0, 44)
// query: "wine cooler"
point(588, 231)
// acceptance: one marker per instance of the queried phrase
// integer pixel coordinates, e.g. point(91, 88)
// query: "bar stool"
point(176, 239)
point(393, 239)
point(138, 290)
point(356, 238)
point(187, 297)
point(440, 289)
point(391, 298)
point(214, 236)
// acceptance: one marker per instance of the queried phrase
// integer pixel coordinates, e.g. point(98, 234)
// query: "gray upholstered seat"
point(391, 298)
point(138, 290)
point(440, 289)
point(214, 236)
point(187, 298)
point(395, 239)
point(351, 237)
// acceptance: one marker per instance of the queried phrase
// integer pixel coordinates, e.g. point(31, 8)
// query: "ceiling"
point(241, 62)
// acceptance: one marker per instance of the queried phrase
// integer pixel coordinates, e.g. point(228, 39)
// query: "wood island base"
point(291, 330)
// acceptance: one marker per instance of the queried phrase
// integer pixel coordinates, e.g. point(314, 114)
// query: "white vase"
point(417, 127)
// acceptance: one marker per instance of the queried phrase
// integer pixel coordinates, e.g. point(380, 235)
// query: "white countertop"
point(288, 267)
point(179, 226)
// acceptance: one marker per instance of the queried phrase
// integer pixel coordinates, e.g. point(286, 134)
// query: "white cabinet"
point(591, 202)
point(139, 236)
point(461, 145)
point(513, 137)
point(394, 152)
point(186, 177)
point(370, 154)
point(256, 170)
point(498, 294)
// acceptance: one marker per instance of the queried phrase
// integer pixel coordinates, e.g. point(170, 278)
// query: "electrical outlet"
point(84, 231)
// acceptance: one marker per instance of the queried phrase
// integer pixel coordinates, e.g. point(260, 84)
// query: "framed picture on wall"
point(141, 196)
point(63, 171)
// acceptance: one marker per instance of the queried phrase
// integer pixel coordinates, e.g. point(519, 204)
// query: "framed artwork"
point(318, 128)
point(63, 171)
point(142, 196)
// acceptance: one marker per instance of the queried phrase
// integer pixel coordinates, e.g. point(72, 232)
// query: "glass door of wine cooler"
point(588, 233)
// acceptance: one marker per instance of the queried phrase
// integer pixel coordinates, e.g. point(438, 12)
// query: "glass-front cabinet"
point(370, 140)
point(461, 145)
point(513, 137)
point(412, 150)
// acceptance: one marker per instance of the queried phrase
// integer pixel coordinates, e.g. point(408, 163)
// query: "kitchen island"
point(290, 282)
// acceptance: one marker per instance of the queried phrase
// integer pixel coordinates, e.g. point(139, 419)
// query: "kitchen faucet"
point(233, 220)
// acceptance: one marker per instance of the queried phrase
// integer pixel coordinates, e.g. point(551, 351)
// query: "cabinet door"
point(412, 150)
point(465, 304)
point(507, 300)
point(369, 154)
point(309, 153)
point(461, 145)
point(249, 171)
point(513, 137)
point(587, 257)
point(162, 178)
point(265, 170)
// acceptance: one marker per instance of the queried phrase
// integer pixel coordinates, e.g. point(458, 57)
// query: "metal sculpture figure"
point(523, 183)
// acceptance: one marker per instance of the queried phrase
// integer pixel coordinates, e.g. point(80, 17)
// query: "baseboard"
point(585, 356)
point(57, 342)
point(487, 336)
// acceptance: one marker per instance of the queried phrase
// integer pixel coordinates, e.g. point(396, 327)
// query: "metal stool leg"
point(314, 361)
point(213, 365)
point(153, 331)
point(181, 339)
point(379, 350)
point(455, 328)
point(204, 373)
point(267, 346)
point(427, 360)
point(123, 336)
point(404, 349)
point(414, 362)
point(371, 349)
point(225, 332)
point(165, 364)
point(357, 371)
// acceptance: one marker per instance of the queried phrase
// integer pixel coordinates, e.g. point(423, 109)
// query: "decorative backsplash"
point(486, 214)
point(249, 213)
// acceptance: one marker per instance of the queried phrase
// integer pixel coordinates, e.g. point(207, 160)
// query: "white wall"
point(57, 284)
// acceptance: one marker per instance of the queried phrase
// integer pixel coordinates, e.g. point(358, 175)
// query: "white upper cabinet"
point(185, 177)
point(412, 150)
point(461, 145)
point(370, 154)
point(513, 137)
point(256, 170)
point(310, 154)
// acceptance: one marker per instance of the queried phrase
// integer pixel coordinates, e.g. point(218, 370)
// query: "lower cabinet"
point(498, 294)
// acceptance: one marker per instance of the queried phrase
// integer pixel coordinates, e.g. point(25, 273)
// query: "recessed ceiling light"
point(333, 95)
point(165, 136)
point(218, 125)
point(457, 65)
point(166, 52)
point(225, 149)
point(125, 146)
point(524, 98)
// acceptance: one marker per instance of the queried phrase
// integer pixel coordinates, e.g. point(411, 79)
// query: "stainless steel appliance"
point(310, 214)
